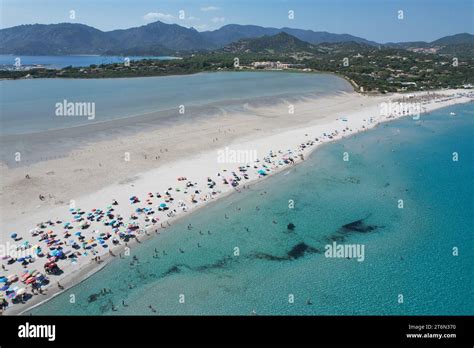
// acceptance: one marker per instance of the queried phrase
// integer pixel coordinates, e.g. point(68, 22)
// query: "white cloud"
point(218, 19)
point(192, 18)
point(157, 16)
point(210, 8)
point(201, 27)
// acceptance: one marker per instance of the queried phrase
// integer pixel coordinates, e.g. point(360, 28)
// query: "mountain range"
point(160, 38)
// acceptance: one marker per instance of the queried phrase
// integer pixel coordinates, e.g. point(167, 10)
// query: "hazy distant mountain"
point(464, 38)
point(232, 32)
point(154, 38)
point(67, 38)
point(279, 43)
point(163, 39)
point(54, 39)
point(171, 36)
point(458, 39)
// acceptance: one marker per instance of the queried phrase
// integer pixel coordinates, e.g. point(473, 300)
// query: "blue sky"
point(375, 20)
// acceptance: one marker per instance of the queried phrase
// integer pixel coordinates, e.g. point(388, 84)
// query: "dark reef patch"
point(269, 257)
point(357, 226)
point(174, 269)
point(219, 264)
point(299, 250)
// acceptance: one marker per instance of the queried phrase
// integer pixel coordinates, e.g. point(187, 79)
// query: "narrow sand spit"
point(151, 162)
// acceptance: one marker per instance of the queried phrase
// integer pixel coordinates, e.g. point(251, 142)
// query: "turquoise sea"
point(408, 251)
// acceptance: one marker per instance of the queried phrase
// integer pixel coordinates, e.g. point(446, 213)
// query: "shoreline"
point(360, 119)
point(143, 116)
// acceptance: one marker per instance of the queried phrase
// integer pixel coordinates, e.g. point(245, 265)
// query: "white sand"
point(191, 152)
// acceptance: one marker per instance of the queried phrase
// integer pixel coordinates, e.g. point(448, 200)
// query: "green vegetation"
point(375, 69)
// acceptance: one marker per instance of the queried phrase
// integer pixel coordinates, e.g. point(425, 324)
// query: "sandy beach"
point(141, 183)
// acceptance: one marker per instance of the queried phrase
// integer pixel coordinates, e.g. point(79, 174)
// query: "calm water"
point(407, 251)
point(29, 106)
point(58, 62)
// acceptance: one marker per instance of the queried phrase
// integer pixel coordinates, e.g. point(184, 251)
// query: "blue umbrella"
point(5, 287)
point(13, 235)
point(3, 280)
point(77, 233)
point(162, 205)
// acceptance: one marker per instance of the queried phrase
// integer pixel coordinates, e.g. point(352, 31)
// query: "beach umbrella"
point(21, 291)
point(11, 294)
point(14, 235)
point(12, 278)
point(77, 233)
point(5, 287)
point(3, 280)
point(30, 280)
